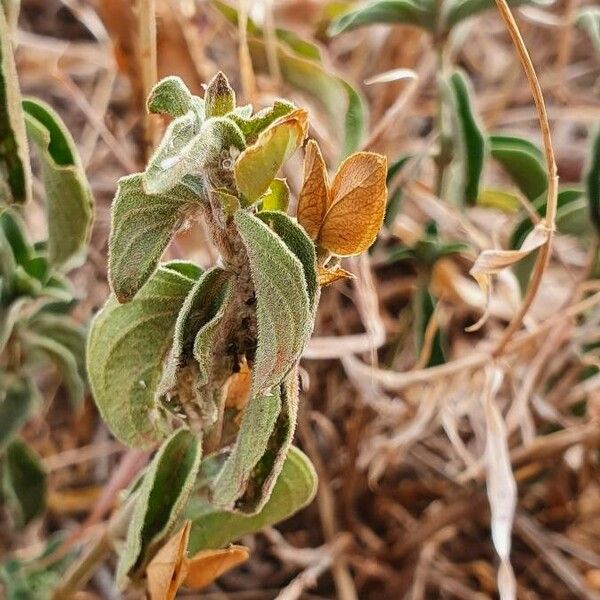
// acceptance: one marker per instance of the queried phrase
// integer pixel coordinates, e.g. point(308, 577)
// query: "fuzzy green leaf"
point(17, 398)
point(142, 227)
point(300, 244)
point(219, 99)
point(126, 349)
point(294, 489)
point(23, 482)
point(252, 126)
point(523, 161)
point(592, 182)
point(284, 312)
point(469, 140)
point(258, 423)
point(161, 498)
point(170, 96)
point(15, 172)
point(69, 202)
point(203, 304)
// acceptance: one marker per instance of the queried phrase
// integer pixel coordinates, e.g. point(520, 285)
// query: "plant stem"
point(148, 65)
point(551, 203)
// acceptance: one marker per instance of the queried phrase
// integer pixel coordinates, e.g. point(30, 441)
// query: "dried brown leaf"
point(314, 196)
point(208, 565)
point(328, 276)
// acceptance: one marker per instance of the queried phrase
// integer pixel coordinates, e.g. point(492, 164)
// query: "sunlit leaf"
point(142, 227)
point(207, 565)
point(251, 126)
point(331, 275)
point(257, 166)
point(126, 349)
point(15, 172)
point(499, 200)
point(357, 205)
point(277, 197)
point(161, 499)
point(313, 200)
point(294, 489)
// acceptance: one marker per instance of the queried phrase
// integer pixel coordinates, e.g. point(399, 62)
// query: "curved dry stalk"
point(552, 198)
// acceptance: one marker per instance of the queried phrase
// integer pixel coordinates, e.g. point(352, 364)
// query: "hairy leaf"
point(258, 422)
point(126, 349)
point(161, 499)
point(283, 307)
point(15, 172)
point(356, 205)
point(142, 227)
point(23, 482)
point(313, 200)
point(69, 202)
point(170, 96)
point(523, 161)
point(202, 305)
point(277, 197)
point(298, 242)
point(219, 99)
point(257, 166)
point(469, 140)
point(252, 126)
point(294, 489)
point(592, 182)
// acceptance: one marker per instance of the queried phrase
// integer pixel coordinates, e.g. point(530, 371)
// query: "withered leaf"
point(208, 565)
point(328, 276)
point(357, 205)
point(313, 200)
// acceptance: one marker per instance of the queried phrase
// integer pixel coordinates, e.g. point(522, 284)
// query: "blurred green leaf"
point(126, 349)
point(17, 398)
point(523, 161)
point(294, 489)
point(424, 310)
point(23, 482)
point(589, 19)
point(142, 227)
point(161, 499)
point(469, 142)
point(394, 199)
point(499, 199)
point(283, 307)
point(592, 181)
point(15, 172)
point(69, 202)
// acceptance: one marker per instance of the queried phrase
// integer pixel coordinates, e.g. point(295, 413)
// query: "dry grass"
point(410, 459)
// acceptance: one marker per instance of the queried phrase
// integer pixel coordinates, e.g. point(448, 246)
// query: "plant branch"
point(552, 197)
point(148, 65)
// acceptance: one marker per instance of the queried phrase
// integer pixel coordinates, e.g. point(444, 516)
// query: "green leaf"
point(394, 200)
point(63, 359)
point(203, 303)
point(589, 19)
point(258, 423)
point(126, 349)
point(23, 482)
point(284, 313)
point(408, 12)
point(69, 202)
point(300, 244)
point(456, 11)
point(15, 172)
point(277, 197)
point(424, 311)
point(189, 150)
point(161, 498)
point(500, 200)
point(170, 96)
point(523, 161)
point(17, 398)
point(592, 182)
point(264, 474)
point(257, 165)
point(468, 140)
point(219, 99)
point(252, 126)
point(295, 488)
point(142, 227)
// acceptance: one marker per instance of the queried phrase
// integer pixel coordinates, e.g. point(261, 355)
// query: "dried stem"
point(148, 65)
point(551, 202)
